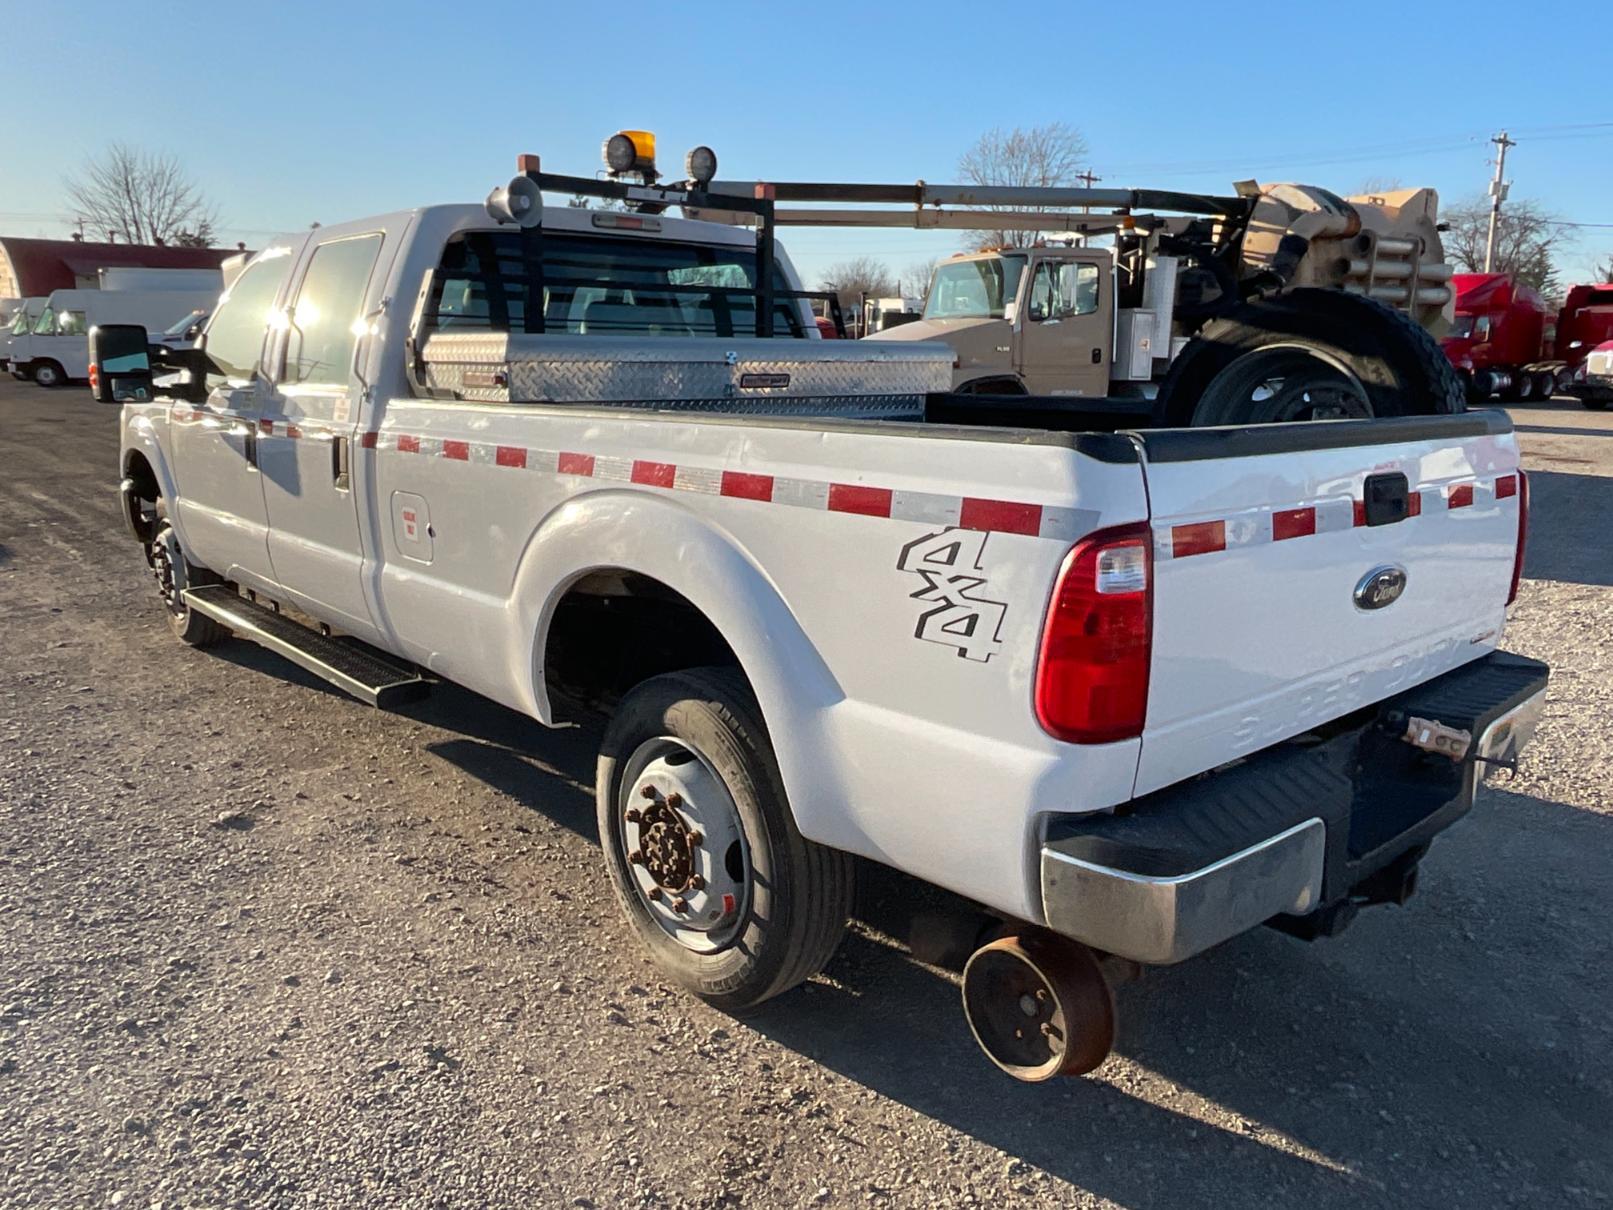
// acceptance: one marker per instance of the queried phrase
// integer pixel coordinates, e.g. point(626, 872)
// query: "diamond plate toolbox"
point(829, 378)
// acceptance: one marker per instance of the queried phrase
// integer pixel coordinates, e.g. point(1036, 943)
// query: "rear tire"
point(48, 374)
point(1523, 387)
point(175, 573)
point(791, 897)
point(1596, 405)
point(1328, 353)
point(1545, 385)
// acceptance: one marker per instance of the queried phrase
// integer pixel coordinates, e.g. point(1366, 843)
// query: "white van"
point(17, 327)
point(56, 350)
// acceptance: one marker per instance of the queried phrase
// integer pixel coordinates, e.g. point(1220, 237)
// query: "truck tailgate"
point(1278, 550)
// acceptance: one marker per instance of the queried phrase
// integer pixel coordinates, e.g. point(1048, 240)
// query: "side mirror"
point(1038, 313)
point(120, 363)
point(1011, 311)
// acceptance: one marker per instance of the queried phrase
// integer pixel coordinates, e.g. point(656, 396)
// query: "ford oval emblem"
point(1380, 588)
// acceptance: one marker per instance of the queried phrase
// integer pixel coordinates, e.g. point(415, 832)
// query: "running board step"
point(362, 671)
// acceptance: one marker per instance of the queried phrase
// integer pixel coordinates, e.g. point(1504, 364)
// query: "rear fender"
point(662, 539)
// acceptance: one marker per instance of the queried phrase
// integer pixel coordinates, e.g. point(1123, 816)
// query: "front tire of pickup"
point(727, 895)
point(1310, 354)
point(175, 573)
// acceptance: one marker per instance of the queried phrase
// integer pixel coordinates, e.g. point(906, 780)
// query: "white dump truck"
point(1131, 691)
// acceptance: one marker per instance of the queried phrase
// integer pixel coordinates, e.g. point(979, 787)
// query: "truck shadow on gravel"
point(1399, 1058)
point(1571, 547)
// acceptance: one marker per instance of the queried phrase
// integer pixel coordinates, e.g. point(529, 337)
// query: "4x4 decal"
point(949, 563)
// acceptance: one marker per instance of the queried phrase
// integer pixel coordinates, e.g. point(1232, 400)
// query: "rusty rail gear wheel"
point(1039, 1006)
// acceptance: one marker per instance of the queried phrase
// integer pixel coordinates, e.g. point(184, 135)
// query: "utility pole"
point(1498, 194)
point(1088, 178)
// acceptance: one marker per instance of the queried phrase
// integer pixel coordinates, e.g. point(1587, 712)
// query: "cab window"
point(71, 323)
point(234, 340)
point(329, 312)
point(604, 286)
point(46, 323)
point(1062, 289)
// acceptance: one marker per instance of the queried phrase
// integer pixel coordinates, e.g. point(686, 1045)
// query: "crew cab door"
point(307, 432)
point(1305, 571)
point(1065, 325)
point(215, 443)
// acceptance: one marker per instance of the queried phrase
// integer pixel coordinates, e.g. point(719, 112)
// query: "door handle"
point(341, 470)
point(1097, 357)
point(249, 447)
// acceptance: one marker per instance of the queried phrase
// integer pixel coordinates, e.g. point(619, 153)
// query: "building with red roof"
point(33, 267)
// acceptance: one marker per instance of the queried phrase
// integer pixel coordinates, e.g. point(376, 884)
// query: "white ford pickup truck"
point(1131, 692)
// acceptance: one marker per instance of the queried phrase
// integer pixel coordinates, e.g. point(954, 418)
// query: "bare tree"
point(1377, 186)
point(140, 196)
point(1603, 272)
point(862, 275)
point(916, 278)
point(1049, 155)
point(1526, 240)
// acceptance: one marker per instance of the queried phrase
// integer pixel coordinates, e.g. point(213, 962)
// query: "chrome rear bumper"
point(1295, 835)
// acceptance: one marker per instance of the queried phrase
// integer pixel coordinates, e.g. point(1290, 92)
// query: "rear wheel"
point(175, 573)
point(1545, 384)
point(1523, 386)
point(48, 374)
point(712, 874)
point(1310, 354)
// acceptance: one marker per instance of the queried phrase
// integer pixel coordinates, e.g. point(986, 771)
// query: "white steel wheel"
point(686, 847)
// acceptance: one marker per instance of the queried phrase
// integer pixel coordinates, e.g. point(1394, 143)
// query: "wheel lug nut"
point(654, 893)
point(633, 815)
point(697, 839)
point(636, 857)
point(697, 883)
point(647, 792)
point(680, 904)
point(674, 801)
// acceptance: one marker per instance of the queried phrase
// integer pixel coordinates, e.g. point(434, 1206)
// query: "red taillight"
point(95, 376)
point(1523, 534)
point(1092, 673)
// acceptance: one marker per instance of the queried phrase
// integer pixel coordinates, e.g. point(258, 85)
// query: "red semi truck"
point(1506, 341)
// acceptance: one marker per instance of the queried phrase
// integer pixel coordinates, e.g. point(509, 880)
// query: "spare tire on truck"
point(1310, 354)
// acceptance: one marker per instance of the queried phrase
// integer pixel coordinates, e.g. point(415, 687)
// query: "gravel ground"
point(263, 946)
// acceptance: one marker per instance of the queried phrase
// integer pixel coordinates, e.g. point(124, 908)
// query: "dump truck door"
point(1065, 324)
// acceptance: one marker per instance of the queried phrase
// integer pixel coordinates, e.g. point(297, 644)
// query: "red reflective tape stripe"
point(576, 464)
point(1414, 503)
point(368, 440)
point(1506, 485)
point(408, 444)
point(747, 487)
point(654, 474)
point(868, 501)
point(459, 451)
point(1360, 512)
point(510, 455)
point(1000, 516)
point(1292, 523)
point(1199, 538)
point(1461, 496)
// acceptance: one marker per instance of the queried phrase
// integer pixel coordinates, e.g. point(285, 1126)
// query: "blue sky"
point(291, 112)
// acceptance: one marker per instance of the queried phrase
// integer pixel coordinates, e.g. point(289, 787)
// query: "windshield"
point(19, 323)
point(1462, 326)
point(973, 289)
point(184, 325)
point(46, 323)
